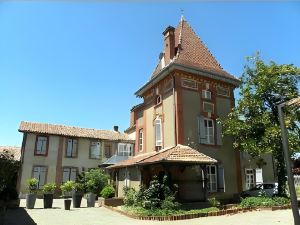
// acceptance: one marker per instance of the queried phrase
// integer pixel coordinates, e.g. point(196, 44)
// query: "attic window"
point(189, 84)
point(157, 99)
point(223, 91)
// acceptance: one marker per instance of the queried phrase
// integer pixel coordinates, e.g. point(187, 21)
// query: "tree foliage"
point(254, 122)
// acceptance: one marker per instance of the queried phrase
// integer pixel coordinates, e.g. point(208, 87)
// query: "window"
point(71, 150)
point(211, 178)
point(189, 84)
point(95, 150)
point(223, 91)
point(126, 178)
point(157, 99)
point(206, 131)
point(249, 178)
point(206, 94)
point(125, 149)
point(108, 152)
point(158, 133)
point(41, 146)
point(208, 107)
point(39, 172)
point(141, 140)
point(69, 174)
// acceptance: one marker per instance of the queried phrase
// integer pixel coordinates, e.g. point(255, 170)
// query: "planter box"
point(113, 202)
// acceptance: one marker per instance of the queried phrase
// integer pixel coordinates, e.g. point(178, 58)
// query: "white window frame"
point(158, 127)
point(74, 144)
point(208, 103)
point(212, 178)
point(206, 94)
point(195, 84)
point(127, 178)
point(98, 143)
point(141, 139)
point(71, 171)
point(209, 132)
point(125, 149)
point(223, 89)
point(249, 178)
point(39, 171)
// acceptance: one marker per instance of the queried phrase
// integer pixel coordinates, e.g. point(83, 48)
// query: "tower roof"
point(191, 51)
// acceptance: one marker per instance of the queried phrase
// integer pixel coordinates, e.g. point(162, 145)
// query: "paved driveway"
point(97, 216)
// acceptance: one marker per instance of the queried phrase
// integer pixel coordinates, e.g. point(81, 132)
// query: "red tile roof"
point(45, 128)
point(176, 154)
point(193, 52)
point(15, 151)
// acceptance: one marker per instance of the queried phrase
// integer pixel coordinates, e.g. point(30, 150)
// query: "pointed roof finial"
point(182, 13)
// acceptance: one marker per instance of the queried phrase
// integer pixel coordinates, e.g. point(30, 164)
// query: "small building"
point(58, 153)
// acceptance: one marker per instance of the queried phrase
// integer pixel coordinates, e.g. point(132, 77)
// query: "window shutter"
point(258, 176)
point(39, 146)
point(221, 180)
point(219, 133)
point(74, 147)
point(36, 172)
point(44, 146)
point(73, 174)
point(69, 147)
point(66, 174)
point(201, 130)
point(43, 171)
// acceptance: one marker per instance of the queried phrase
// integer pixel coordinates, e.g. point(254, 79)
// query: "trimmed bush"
point(129, 196)
point(108, 191)
point(49, 188)
point(32, 185)
point(251, 202)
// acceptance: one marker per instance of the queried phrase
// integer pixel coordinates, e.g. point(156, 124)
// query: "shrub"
point(214, 202)
point(49, 188)
point(78, 187)
point(169, 203)
point(129, 196)
point(67, 187)
point(108, 191)
point(32, 185)
point(94, 180)
point(9, 193)
point(263, 201)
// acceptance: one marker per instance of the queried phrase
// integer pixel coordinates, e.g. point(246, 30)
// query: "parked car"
point(265, 189)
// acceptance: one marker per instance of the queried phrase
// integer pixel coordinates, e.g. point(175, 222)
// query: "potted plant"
point(31, 196)
point(66, 189)
point(48, 191)
point(94, 181)
point(78, 190)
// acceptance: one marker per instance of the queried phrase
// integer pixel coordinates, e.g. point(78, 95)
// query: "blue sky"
point(79, 63)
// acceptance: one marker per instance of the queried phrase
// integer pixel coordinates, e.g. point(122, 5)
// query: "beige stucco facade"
point(55, 159)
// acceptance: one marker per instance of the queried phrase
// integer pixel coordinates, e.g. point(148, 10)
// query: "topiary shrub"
point(108, 192)
point(49, 188)
point(32, 185)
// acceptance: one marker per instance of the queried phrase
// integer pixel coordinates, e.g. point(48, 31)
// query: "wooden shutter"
point(219, 133)
point(69, 147)
point(44, 145)
point(74, 147)
point(66, 174)
point(201, 130)
point(221, 179)
point(42, 180)
point(39, 146)
point(73, 174)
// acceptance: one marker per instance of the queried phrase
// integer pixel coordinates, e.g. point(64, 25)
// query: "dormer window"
point(157, 99)
point(206, 94)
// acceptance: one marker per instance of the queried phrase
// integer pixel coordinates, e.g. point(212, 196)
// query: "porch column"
point(204, 180)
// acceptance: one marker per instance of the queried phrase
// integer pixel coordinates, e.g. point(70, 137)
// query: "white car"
point(264, 189)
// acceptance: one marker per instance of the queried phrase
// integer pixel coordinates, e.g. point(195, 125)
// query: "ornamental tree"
point(254, 122)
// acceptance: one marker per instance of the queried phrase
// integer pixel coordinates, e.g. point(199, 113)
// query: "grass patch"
point(139, 211)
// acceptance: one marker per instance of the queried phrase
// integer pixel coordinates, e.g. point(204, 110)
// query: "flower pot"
point(91, 197)
point(30, 200)
point(76, 197)
point(67, 204)
point(48, 200)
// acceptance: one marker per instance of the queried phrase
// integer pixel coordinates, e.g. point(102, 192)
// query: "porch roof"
point(178, 153)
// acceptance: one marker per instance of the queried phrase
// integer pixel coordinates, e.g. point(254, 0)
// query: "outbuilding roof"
point(45, 128)
point(175, 154)
point(13, 150)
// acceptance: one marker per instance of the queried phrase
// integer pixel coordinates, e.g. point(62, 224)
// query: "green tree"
point(254, 123)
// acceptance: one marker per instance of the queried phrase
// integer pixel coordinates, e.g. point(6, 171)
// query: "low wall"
point(112, 202)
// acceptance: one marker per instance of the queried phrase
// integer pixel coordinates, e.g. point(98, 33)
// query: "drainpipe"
point(174, 111)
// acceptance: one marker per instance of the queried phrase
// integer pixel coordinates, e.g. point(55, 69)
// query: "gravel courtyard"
point(95, 216)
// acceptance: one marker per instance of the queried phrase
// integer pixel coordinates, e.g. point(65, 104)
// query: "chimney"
point(116, 128)
point(169, 36)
